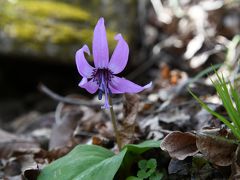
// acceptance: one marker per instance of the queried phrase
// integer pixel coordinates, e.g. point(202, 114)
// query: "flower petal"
point(84, 69)
point(114, 90)
point(122, 85)
point(91, 86)
point(119, 57)
point(100, 45)
point(83, 81)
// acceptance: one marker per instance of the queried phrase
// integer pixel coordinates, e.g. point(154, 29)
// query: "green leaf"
point(204, 72)
point(147, 168)
point(150, 171)
point(142, 164)
point(236, 98)
point(133, 178)
point(221, 87)
point(220, 117)
point(92, 162)
point(84, 162)
point(142, 174)
point(142, 147)
point(156, 176)
point(231, 102)
point(133, 155)
point(104, 170)
point(152, 163)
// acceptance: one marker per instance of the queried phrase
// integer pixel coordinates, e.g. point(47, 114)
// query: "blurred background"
point(38, 41)
point(39, 38)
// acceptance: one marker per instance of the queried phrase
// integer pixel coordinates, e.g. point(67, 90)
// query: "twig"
point(144, 67)
point(67, 100)
point(58, 113)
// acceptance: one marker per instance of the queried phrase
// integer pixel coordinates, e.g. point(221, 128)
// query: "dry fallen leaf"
point(236, 165)
point(62, 131)
point(179, 167)
point(130, 109)
point(44, 157)
point(194, 45)
point(180, 145)
point(217, 150)
point(165, 71)
point(11, 144)
point(29, 167)
point(102, 141)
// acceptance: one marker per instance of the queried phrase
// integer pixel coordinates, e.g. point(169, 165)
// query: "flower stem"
point(114, 122)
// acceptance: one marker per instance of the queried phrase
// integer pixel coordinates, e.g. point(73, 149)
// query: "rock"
point(54, 30)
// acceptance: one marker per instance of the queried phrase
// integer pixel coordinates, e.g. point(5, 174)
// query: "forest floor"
point(185, 43)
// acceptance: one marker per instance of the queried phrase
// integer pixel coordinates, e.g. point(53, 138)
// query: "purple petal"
point(82, 65)
point(91, 86)
point(122, 85)
point(100, 45)
point(114, 90)
point(83, 81)
point(119, 58)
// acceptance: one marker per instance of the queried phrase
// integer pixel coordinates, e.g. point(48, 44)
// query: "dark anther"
point(100, 93)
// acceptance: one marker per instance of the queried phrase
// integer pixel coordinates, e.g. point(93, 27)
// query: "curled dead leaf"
point(216, 149)
point(180, 145)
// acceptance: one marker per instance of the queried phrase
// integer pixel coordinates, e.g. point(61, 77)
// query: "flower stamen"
point(103, 77)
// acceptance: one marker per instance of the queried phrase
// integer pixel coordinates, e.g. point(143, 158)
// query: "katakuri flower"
point(102, 76)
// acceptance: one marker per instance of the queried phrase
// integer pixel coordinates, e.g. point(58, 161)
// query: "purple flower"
point(102, 76)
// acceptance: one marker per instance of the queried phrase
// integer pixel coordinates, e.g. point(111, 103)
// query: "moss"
point(23, 31)
point(62, 34)
point(42, 21)
point(51, 9)
point(33, 26)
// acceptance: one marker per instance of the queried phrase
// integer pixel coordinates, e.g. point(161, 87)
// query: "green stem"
point(114, 122)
